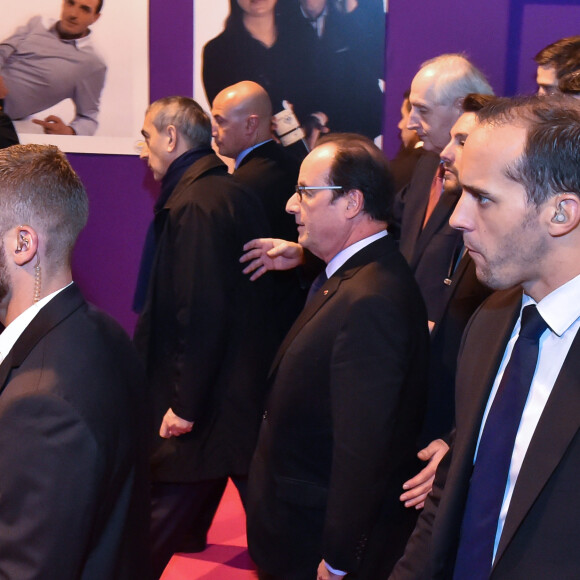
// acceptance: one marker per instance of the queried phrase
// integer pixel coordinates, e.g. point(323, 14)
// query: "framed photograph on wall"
point(98, 84)
point(325, 59)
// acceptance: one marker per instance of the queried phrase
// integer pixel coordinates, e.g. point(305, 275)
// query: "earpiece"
point(560, 216)
point(22, 243)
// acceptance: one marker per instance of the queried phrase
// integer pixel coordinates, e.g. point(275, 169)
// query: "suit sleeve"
point(369, 369)
point(48, 489)
point(203, 269)
point(416, 561)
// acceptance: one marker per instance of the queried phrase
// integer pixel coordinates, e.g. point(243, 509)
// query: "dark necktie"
point(316, 285)
point(491, 469)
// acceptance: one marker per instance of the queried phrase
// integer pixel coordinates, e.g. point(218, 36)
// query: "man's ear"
point(252, 123)
point(171, 133)
point(563, 212)
point(355, 202)
point(25, 244)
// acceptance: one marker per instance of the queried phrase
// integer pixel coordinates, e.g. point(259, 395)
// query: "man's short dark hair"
point(360, 164)
point(570, 84)
point(474, 102)
point(550, 163)
point(186, 115)
point(563, 55)
point(99, 6)
point(38, 187)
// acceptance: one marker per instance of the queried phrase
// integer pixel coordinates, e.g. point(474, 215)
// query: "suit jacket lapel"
point(316, 303)
point(558, 425)
point(49, 316)
point(415, 204)
point(439, 220)
point(487, 333)
point(349, 268)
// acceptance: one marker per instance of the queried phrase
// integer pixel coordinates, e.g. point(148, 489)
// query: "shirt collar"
point(349, 252)
point(559, 318)
point(13, 331)
point(241, 156)
point(80, 43)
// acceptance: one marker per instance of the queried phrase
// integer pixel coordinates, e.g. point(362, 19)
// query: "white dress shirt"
point(561, 311)
point(13, 331)
point(350, 251)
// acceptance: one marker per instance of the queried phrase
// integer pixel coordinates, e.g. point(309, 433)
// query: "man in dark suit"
point(338, 436)
point(522, 228)
point(431, 246)
point(461, 293)
point(242, 129)
point(205, 331)
point(73, 402)
point(423, 208)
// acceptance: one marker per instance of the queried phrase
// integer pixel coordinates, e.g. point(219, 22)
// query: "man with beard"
point(501, 506)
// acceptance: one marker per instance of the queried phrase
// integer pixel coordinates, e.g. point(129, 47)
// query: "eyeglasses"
point(302, 190)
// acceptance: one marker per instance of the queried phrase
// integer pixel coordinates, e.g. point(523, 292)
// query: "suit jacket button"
point(265, 415)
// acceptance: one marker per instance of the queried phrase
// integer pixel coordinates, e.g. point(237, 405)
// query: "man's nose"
point(293, 204)
point(413, 122)
point(460, 219)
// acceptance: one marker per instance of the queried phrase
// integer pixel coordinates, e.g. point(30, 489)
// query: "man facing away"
point(339, 431)
point(43, 63)
point(74, 409)
point(242, 129)
point(206, 332)
point(501, 506)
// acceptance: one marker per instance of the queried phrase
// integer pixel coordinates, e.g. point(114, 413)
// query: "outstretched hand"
point(264, 254)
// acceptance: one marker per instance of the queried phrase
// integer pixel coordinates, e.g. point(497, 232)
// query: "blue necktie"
point(491, 469)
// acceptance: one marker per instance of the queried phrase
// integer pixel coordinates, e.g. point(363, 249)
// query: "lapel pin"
point(325, 292)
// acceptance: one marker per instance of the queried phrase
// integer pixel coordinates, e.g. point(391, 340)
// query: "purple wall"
point(500, 36)
point(121, 189)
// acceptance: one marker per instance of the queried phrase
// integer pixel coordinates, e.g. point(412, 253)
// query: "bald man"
point(242, 130)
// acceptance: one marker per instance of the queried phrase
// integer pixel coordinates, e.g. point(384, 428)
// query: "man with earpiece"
point(504, 504)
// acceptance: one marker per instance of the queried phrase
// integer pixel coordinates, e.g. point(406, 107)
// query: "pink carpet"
point(226, 556)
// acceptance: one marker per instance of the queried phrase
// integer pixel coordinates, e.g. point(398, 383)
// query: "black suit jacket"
point(540, 538)
point(449, 286)
point(430, 251)
point(272, 174)
point(338, 439)
point(206, 332)
point(74, 418)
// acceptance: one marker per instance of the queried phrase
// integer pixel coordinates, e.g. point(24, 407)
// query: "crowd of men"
point(388, 377)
